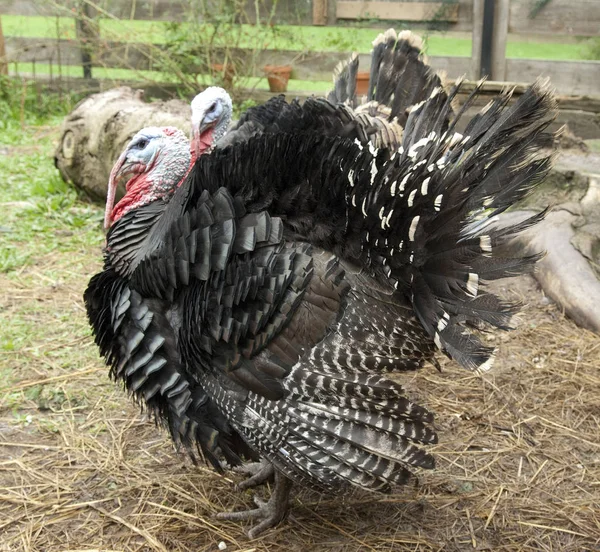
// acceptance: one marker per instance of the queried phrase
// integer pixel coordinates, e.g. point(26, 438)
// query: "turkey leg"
point(270, 513)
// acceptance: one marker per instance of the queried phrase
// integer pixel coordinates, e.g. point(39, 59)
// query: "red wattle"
point(206, 140)
point(137, 194)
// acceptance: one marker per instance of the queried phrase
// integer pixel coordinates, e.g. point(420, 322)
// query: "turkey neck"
point(132, 237)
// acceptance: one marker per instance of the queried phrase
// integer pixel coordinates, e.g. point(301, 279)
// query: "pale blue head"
point(152, 164)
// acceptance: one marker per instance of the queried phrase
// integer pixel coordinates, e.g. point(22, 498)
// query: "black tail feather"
point(430, 221)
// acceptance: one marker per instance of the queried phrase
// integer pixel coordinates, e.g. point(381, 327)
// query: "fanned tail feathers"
point(428, 217)
point(399, 78)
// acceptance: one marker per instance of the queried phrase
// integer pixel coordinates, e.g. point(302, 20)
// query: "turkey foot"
point(259, 473)
point(271, 513)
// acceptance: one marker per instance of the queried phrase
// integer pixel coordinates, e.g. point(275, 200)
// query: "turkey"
point(399, 79)
point(256, 303)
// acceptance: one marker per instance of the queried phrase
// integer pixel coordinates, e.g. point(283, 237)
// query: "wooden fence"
point(557, 17)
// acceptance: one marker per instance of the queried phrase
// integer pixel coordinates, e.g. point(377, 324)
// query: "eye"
point(212, 108)
point(140, 144)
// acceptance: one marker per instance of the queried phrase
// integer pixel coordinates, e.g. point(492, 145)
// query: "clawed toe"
point(259, 472)
point(270, 513)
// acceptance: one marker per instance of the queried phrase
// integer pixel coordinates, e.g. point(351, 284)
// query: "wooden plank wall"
point(397, 11)
point(293, 12)
point(558, 17)
point(565, 15)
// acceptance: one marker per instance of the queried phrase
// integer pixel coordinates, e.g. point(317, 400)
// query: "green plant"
point(40, 210)
point(212, 41)
point(591, 49)
point(28, 102)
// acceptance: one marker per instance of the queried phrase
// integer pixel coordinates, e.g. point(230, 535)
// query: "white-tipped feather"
point(414, 40)
point(456, 138)
point(443, 322)
point(487, 365)
point(473, 284)
point(413, 228)
point(485, 242)
point(411, 198)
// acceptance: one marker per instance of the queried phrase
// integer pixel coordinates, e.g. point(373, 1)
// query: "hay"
point(82, 469)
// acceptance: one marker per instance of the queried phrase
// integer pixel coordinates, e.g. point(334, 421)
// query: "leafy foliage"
point(210, 40)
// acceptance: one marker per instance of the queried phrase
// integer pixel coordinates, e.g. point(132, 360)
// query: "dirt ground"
point(81, 468)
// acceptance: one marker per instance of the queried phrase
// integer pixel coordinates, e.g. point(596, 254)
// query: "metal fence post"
point(490, 29)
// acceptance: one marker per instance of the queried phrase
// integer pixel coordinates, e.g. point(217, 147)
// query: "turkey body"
point(246, 339)
point(258, 306)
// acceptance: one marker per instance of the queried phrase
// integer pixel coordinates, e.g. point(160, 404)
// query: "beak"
point(120, 171)
point(198, 129)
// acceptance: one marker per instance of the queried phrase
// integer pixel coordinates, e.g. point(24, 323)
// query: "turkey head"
point(153, 164)
point(211, 114)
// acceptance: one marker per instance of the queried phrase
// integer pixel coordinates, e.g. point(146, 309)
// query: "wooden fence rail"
point(569, 77)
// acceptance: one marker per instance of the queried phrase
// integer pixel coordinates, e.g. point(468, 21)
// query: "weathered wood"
point(573, 17)
point(580, 103)
point(399, 11)
point(3, 64)
point(95, 133)
point(568, 77)
point(107, 53)
point(88, 34)
point(564, 273)
point(331, 9)
point(319, 12)
point(498, 40)
point(286, 11)
point(476, 40)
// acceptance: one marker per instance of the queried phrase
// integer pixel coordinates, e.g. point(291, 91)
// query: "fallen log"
point(95, 133)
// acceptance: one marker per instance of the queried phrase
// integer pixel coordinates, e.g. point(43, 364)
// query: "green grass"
point(39, 210)
point(284, 37)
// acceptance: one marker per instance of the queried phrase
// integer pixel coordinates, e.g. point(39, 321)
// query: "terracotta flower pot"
point(224, 71)
point(362, 83)
point(278, 76)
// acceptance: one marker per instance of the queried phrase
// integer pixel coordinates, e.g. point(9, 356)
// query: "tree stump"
point(95, 133)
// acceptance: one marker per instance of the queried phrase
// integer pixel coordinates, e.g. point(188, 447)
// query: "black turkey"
point(399, 79)
point(256, 304)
